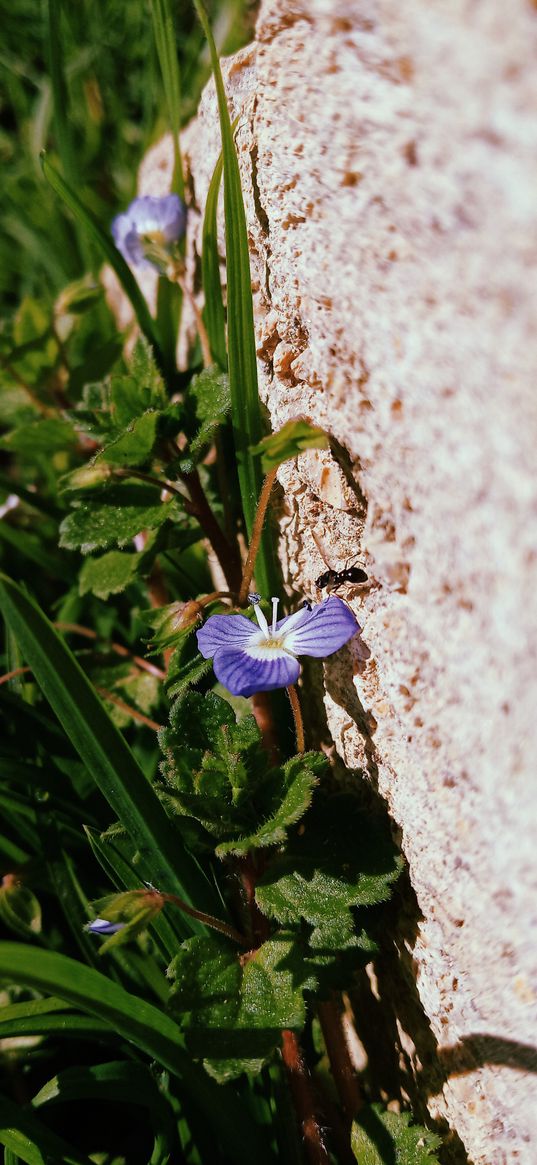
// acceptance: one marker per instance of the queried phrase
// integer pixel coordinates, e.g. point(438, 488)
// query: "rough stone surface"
point(389, 157)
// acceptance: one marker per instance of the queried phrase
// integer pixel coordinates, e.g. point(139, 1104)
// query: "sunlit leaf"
point(293, 438)
point(379, 1137)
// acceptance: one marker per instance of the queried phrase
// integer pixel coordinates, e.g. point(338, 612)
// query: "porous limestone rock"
point(389, 159)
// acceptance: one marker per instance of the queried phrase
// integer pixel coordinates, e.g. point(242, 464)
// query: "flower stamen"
point(261, 619)
point(274, 615)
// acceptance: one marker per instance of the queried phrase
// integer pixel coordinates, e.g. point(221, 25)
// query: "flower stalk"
point(255, 539)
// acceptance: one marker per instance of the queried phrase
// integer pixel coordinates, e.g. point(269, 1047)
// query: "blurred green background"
point(98, 59)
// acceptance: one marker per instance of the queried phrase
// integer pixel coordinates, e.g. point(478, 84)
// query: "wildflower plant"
point(190, 888)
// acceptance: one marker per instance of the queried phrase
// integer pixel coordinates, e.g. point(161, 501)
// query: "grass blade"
point(103, 750)
point(164, 33)
point(215, 318)
point(25, 1136)
point(148, 1029)
point(93, 227)
point(245, 406)
point(132, 1017)
point(59, 93)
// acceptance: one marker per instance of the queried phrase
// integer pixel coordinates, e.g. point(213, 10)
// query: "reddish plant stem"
point(198, 507)
point(302, 1093)
point(255, 538)
point(202, 330)
point(208, 919)
point(227, 554)
point(343, 1071)
point(12, 675)
point(297, 717)
point(259, 924)
point(262, 710)
point(133, 712)
point(118, 648)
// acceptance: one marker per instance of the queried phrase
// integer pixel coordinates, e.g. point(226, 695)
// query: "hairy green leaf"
point(135, 444)
point(186, 667)
point(217, 772)
point(142, 389)
point(297, 781)
point(293, 438)
point(232, 1008)
point(210, 391)
point(343, 858)
point(119, 513)
point(379, 1137)
point(109, 574)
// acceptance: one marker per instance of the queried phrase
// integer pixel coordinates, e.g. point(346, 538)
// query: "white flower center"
point(268, 642)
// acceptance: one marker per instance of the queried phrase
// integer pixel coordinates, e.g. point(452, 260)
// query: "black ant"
point(336, 578)
point(332, 579)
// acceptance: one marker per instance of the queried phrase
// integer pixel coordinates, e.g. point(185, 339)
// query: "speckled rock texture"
point(389, 158)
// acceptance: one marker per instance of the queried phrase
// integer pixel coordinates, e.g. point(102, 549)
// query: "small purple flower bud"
point(103, 926)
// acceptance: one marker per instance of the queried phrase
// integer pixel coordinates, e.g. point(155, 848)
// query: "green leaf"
point(343, 858)
point(293, 438)
point(19, 908)
point(214, 314)
point(232, 1009)
point(142, 389)
point(296, 784)
point(217, 772)
point(40, 438)
point(135, 445)
point(147, 1028)
point(114, 517)
point(186, 667)
point(109, 574)
point(93, 227)
point(62, 122)
point(104, 751)
point(25, 1135)
point(36, 351)
point(245, 405)
point(379, 1137)
point(210, 391)
point(203, 749)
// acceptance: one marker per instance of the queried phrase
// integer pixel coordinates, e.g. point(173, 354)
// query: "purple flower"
point(249, 658)
point(149, 224)
point(103, 926)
